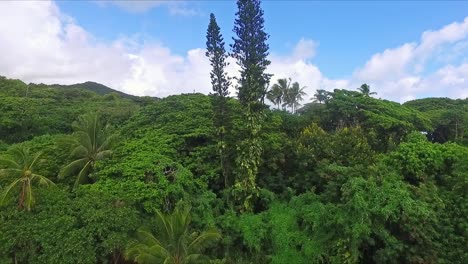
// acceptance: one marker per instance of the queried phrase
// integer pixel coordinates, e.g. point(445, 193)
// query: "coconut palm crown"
point(173, 243)
point(92, 141)
point(20, 165)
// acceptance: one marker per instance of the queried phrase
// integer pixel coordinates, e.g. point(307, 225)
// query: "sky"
point(404, 50)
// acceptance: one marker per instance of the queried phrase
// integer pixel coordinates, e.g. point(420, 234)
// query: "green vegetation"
point(93, 143)
point(220, 82)
point(21, 167)
point(175, 244)
point(346, 178)
point(251, 51)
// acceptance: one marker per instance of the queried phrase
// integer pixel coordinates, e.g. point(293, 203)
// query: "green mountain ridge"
point(16, 87)
point(98, 88)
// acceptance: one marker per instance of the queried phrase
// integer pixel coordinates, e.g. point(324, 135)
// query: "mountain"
point(98, 88)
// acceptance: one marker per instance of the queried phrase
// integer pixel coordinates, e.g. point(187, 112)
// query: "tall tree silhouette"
point(220, 82)
point(294, 96)
point(365, 90)
point(250, 50)
point(278, 91)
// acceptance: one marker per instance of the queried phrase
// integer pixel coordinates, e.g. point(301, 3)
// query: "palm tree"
point(321, 96)
point(294, 96)
point(274, 96)
point(92, 142)
point(365, 90)
point(174, 243)
point(278, 91)
point(20, 165)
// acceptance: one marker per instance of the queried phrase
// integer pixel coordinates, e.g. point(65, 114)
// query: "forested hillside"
point(91, 176)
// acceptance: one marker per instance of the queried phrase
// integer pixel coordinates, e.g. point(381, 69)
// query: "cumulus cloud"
point(47, 46)
point(156, 71)
point(403, 72)
point(38, 43)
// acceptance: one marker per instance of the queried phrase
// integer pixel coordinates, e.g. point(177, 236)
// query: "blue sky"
point(404, 49)
point(348, 32)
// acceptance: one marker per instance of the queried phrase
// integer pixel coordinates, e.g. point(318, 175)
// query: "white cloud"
point(404, 72)
point(180, 8)
point(391, 63)
point(44, 45)
point(157, 72)
point(305, 49)
point(38, 43)
point(298, 66)
point(134, 6)
point(48, 47)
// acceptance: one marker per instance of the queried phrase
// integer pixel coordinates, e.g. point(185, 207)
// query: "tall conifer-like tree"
point(220, 82)
point(250, 50)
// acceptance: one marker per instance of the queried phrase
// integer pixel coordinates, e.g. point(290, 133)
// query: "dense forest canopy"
point(92, 175)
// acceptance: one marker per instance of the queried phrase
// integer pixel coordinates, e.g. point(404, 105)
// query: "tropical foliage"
point(285, 94)
point(174, 244)
point(93, 142)
point(346, 178)
point(20, 168)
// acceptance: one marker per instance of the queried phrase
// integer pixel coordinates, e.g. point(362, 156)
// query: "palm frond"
point(11, 173)
point(84, 140)
point(19, 153)
point(146, 237)
point(9, 163)
point(144, 258)
point(8, 189)
point(194, 258)
point(83, 175)
point(146, 250)
point(34, 160)
point(103, 154)
point(174, 241)
point(164, 224)
point(79, 151)
point(73, 167)
point(42, 180)
point(109, 142)
point(204, 239)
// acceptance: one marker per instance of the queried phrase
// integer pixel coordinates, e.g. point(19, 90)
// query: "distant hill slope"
point(12, 87)
point(94, 87)
point(29, 110)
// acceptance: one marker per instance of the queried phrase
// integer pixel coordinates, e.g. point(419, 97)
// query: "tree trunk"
point(22, 196)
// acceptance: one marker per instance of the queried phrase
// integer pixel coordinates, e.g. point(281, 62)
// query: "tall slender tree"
point(220, 82)
point(294, 96)
point(217, 55)
point(251, 51)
